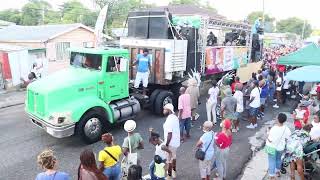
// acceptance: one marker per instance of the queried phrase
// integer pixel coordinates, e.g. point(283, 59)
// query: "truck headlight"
point(63, 118)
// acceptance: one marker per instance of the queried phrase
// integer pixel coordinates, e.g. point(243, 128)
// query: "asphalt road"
point(21, 141)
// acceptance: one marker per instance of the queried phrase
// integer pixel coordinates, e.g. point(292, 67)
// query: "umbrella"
point(306, 74)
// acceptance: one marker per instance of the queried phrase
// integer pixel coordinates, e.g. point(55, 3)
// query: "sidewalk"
point(8, 99)
point(257, 167)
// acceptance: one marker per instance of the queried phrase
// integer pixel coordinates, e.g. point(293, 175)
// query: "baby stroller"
point(311, 155)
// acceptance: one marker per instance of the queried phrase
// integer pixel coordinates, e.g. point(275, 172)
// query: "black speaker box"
point(138, 24)
point(158, 26)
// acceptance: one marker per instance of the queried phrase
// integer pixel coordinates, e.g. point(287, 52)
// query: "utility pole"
point(303, 29)
point(263, 13)
point(42, 14)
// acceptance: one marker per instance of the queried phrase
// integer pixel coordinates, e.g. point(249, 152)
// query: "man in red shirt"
point(233, 85)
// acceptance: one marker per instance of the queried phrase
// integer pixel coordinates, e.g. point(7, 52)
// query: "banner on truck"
point(244, 73)
point(220, 59)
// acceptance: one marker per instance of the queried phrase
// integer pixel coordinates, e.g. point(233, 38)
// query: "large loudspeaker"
point(158, 26)
point(138, 26)
point(192, 35)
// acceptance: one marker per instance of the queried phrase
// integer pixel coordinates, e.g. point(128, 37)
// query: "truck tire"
point(163, 98)
point(153, 98)
point(90, 127)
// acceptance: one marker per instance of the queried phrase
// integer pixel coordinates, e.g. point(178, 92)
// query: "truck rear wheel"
point(90, 127)
point(163, 98)
point(153, 98)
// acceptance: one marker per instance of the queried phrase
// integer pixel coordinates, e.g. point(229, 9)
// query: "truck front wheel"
point(163, 98)
point(90, 127)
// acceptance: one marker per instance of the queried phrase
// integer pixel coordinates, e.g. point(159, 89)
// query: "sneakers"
point(174, 174)
point(255, 126)
point(238, 128)
point(234, 130)
point(274, 100)
point(251, 126)
point(276, 106)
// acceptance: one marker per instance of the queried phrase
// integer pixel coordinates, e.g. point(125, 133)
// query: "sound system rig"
point(148, 25)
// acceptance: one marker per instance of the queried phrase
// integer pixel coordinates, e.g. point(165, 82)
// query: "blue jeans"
point(274, 163)
point(113, 173)
point(185, 124)
point(151, 168)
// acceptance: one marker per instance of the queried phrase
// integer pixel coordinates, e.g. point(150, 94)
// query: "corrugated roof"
point(15, 33)
point(188, 10)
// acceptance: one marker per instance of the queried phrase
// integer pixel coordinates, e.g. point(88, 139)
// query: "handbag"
point(272, 150)
point(127, 161)
point(200, 155)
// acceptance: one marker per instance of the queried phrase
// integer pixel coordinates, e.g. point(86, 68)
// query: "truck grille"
point(36, 103)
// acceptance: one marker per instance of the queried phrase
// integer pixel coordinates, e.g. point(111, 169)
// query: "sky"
point(232, 9)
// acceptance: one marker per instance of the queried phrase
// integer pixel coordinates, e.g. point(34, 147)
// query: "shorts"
point(263, 101)
point(173, 155)
point(141, 76)
point(205, 168)
point(253, 111)
point(238, 115)
point(185, 124)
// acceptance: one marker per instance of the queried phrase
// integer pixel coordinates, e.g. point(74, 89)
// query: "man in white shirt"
point(171, 132)
point(239, 109)
point(285, 89)
point(279, 82)
point(315, 130)
point(212, 102)
point(254, 104)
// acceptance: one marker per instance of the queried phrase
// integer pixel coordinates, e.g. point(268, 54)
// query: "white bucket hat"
point(130, 125)
point(169, 107)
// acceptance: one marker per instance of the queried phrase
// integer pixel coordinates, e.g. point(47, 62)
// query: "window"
point(116, 64)
point(88, 61)
point(62, 52)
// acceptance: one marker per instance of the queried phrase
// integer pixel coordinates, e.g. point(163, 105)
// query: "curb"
point(11, 105)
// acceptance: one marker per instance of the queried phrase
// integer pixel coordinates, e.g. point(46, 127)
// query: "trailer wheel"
point(163, 98)
point(90, 127)
point(153, 98)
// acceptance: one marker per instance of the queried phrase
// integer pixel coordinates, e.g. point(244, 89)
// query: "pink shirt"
point(184, 104)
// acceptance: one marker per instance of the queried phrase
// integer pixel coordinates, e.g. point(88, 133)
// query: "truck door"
point(117, 78)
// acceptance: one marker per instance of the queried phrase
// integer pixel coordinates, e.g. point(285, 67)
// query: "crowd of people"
point(267, 88)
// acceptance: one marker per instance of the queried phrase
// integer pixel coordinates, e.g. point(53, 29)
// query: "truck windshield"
point(84, 60)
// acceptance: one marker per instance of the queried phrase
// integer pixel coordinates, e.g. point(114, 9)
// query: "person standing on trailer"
point(144, 67)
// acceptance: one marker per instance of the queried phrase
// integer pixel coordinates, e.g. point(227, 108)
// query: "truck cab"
point(86, 98)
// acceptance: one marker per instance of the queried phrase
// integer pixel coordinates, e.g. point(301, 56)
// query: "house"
point(16, 62)
point(56, 39)
point(4, 24)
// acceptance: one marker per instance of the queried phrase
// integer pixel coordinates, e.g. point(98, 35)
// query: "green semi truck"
point(95, 92)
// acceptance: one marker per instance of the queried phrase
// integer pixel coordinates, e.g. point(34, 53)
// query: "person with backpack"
point(109, 158)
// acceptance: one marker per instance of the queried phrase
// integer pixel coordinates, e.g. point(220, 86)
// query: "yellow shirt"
point(108, 161)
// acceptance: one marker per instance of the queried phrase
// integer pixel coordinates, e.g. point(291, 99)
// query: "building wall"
point(26, 44)
point(75, 38)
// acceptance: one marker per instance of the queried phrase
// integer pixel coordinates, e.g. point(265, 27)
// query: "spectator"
point(193, 90)
point(285, 89)
point(225, 85)
point(184, 107)
point(275, 145)
point(294, 150)
point(271, 88)
point(239, 109)
point(206, 144)
point(315, 130)
point(233, 85)
point(263, 96)
point(135, 172)
point(223, 141)
point(228, 106)
point(161, 151)
point(31, 78)
point(88, 168)
point(48, 162)
point(171, 132)
point(254, 104)
point(279, 83)
point(133, 142)
point(212, 102)
point(109, 158)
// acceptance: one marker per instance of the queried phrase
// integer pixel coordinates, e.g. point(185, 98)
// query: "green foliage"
point(192, 2)
point(11, 15)
point(294, 25)
point(268, 20)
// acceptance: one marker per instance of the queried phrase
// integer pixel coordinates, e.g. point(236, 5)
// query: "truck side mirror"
point(123, 64)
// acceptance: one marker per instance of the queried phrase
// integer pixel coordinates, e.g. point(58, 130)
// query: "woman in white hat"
point(133, 140)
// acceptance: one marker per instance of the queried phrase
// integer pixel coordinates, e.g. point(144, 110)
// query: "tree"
point(11, 15)
point(191, 2)
point(294, 25)
point(33, 12)
point(268, 20)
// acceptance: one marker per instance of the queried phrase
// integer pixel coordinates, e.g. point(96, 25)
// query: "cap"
point(169, 107)
point(227, 123)
point(130, 125)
